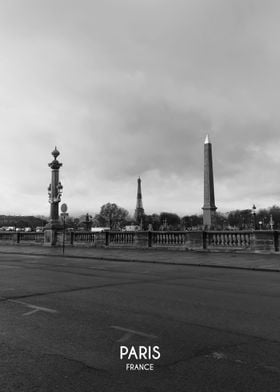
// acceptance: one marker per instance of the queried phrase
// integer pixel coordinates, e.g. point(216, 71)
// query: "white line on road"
point(130, 332)
point(9, 266)
point(34, 308)
point(31, 312)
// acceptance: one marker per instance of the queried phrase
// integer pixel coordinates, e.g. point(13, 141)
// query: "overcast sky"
point(128, 88)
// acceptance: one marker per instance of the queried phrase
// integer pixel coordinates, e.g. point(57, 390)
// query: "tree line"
point(117, 218)
point(20, 222)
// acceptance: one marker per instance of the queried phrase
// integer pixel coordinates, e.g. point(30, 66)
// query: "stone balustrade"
point(30, 237)
point(81, 237)
point(21, 237)
point(120, 238)
point(168, 238)
point(241, 240)
point(250, 241)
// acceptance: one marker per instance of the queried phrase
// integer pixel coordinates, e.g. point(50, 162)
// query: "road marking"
point(9, 266)
point(34, 308)
point(31, 312)
point(130, 332)
point(218, 356)
point(125, 337)
point(273, 369)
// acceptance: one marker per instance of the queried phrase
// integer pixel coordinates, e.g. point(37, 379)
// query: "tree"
point(241, 219)
point(275, 212)
point(192, 221)
point(153, 220)
point(22, 221)
point(221, 221)
point(111, 215)
point(170, 221)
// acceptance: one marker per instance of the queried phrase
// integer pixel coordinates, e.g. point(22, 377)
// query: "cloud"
point(131, 88)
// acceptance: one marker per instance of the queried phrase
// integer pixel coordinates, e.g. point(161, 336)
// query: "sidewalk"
point(261, 262)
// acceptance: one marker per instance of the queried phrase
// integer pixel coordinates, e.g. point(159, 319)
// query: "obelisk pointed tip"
point(207, 139)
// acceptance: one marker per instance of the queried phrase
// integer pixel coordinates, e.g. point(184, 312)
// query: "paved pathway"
point(265, 262)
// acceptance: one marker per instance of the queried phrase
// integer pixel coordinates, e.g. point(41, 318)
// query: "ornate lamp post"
point(55, 192)
point(88, 222)
point(164, 224)
point(254, 216)
point(271, 223)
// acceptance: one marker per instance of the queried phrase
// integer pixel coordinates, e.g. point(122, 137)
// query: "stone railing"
point(167, 238)
point(253, 241)
point(250, 241)
point(84, 237)
point(30, 237)
point(217, 239)
point(120, 238)
point(21, 237)
point(8, 236)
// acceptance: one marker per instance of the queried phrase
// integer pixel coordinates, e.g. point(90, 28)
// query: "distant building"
point(132, 228)
point(99, 229)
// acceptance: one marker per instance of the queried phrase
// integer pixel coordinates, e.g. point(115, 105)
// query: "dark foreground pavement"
point(63, 320)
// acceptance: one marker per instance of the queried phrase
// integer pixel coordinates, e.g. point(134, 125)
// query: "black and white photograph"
point(140, 196)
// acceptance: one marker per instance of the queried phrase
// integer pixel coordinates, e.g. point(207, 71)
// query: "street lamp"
point(88, 222)
point(224, 224)
point(254, 216)
point(165, 224)
point(55, 191)
point(271, 223)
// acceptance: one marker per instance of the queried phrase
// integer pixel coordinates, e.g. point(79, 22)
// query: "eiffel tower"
point(139, 210)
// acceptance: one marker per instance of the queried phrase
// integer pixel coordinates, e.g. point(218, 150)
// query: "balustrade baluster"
point(239, 239)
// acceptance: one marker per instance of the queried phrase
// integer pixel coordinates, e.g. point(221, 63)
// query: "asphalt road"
point(62, 322)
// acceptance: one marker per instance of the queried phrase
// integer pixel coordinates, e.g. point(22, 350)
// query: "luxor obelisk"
point(209, 208)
